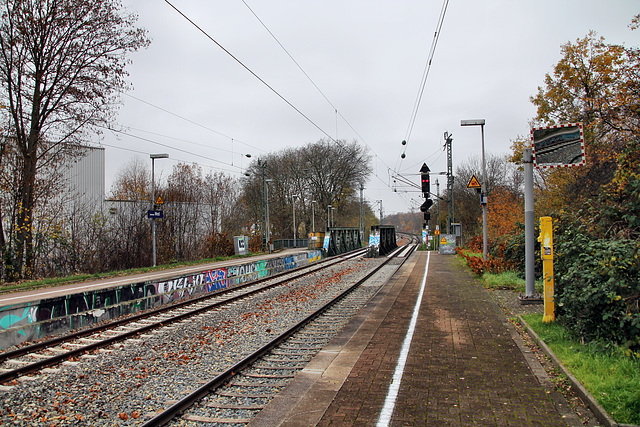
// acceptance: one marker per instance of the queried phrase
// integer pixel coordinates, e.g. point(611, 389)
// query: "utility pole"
point(450, 217)
point(380, 201)
point(529, 225)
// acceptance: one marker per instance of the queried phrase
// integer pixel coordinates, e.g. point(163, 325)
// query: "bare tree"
point(62, 66)
point(222, 195)
point(326, 172)
point(183, 223)
point(132, 181)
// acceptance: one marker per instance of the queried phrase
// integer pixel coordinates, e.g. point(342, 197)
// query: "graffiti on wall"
point(35, 320)
point(216, 279)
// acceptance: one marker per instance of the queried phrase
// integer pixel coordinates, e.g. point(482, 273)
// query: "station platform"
point(9, 298)
point(40, 313)
point(442, 354)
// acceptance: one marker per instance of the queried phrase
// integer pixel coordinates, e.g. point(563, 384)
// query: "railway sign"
point(558, 146)
point(474, 183)
point(154, 214)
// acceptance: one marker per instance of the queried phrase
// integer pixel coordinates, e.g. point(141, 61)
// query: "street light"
point(483, 198)
point(293, 204)
point(153, 201)
point(268, 233)
point(313, 216)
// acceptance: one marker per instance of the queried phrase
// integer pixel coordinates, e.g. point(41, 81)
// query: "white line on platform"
point(394, 387)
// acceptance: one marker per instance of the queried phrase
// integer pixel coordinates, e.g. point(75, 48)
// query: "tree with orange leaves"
point(504, 210)
point(597, 84)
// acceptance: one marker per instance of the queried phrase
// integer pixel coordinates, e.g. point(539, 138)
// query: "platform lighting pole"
point(268, 232)
point(333, 224)
point(313, 216)
point(483, 197)
point(438, 197)
point(361, 212)
point(153, 200)
point(263, 165)
point(328, 217)
point(293, 204)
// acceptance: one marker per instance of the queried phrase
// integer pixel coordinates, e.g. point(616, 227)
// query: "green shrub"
point(597, 290)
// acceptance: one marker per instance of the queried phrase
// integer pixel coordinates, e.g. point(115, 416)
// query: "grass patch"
point(509, 280)
point(76, 278)
point(611, 377)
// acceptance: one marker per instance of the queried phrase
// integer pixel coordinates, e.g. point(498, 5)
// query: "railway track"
point(238, 393)
point(251, 346)
point(46, 354)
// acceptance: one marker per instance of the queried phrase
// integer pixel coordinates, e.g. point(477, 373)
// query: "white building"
point(85, 180)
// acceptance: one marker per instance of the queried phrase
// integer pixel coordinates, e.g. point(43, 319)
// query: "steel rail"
point(183, 404)
point(57, 359)
point(21, 351)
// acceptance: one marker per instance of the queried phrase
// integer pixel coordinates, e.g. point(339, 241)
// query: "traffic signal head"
point(426, 187)
point(424, 175)
point(427, 216)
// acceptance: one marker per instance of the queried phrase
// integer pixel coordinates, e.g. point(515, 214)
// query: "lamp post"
point(293, 204)
point(313, 216)
point(333, 224)
point(153, 201)
point(328, 216)
point(268, 233)
point(483, 198)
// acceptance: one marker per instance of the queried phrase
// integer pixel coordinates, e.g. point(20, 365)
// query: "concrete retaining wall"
point(39, 319)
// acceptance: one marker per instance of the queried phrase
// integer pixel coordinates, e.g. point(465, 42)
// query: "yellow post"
point(546, 252)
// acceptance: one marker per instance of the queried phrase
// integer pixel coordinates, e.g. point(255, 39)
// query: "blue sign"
point(154, 214)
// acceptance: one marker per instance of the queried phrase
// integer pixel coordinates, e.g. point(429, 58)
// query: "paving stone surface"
point(463, 368)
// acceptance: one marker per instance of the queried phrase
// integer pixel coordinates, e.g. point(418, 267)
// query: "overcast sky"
point(193, 101)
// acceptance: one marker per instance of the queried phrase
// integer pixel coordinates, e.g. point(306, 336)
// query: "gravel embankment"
point(127, 384)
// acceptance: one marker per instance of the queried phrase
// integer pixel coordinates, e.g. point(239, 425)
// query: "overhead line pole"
point(450, 217)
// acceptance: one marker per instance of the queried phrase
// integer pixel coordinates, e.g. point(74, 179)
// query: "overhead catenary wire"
point(337, 112)
point(186, 119)
point(425, 76)
point(129, 128)
point(289, 55)
point(131, 150)
point(250, 71)
point(168, 146)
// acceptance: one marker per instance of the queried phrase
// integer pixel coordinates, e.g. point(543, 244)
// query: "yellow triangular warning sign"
point(159, 201)
point(443, 241)
point(474, 183)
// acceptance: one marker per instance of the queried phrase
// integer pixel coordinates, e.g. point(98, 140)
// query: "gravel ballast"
point(132, 381)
